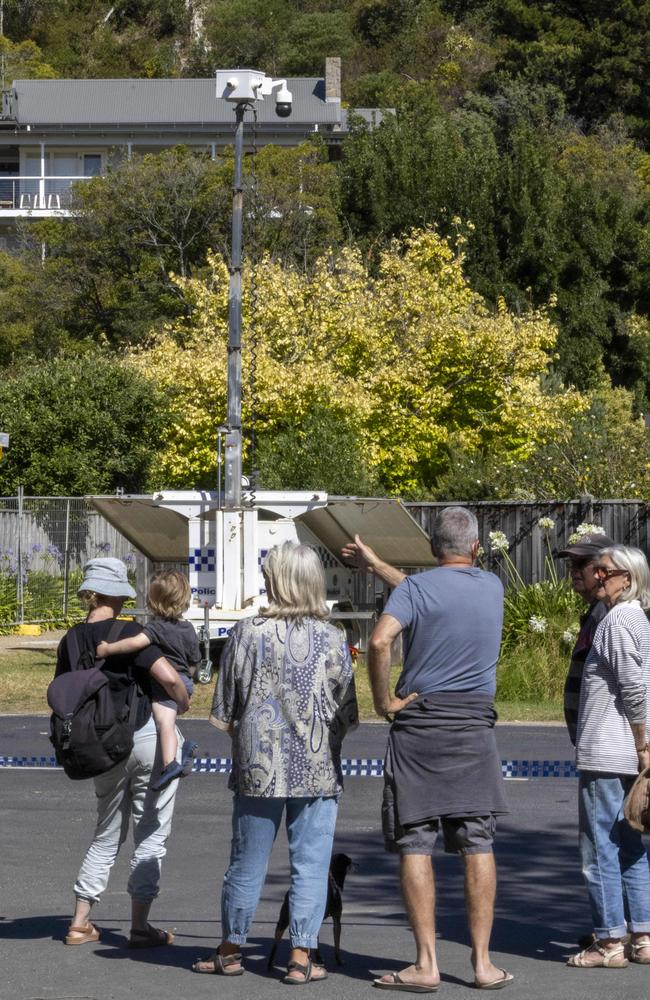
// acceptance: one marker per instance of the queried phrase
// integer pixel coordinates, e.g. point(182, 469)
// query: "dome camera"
point(283, 101)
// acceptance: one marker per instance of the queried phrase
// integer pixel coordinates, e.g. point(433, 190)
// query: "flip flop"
point(82, 935)
point(496, 984)
point(402, 986)
point(306, 970)
point(220, 965)
point(152, 937)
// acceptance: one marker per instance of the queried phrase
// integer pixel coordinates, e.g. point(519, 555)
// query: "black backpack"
point(88, 732)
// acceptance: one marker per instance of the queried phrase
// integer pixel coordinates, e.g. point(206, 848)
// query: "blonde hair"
point(169, 594)
point(634, 562)
point(295, 581)
point(89, 598)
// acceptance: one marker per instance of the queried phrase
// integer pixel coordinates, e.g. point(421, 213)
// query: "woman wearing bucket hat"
point(124, 792)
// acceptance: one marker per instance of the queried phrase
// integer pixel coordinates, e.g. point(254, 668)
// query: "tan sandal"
point(610, 958)
point(82, 935)
point(635, 947)
point(220, 965)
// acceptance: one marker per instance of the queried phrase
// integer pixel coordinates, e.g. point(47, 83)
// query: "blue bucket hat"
point(107, 576)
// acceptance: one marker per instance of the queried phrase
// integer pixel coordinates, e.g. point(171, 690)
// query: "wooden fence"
point(625, 521)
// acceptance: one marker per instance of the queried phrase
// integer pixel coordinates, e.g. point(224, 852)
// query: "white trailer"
point(224, 549)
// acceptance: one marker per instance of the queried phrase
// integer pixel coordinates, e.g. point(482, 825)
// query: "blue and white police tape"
point(357, 767)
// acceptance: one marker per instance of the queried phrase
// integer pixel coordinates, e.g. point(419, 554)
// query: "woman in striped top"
point(611, 748)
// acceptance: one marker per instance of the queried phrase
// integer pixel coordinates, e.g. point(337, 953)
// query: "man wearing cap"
point(583, 555)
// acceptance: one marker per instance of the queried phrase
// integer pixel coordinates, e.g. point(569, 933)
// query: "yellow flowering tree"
point(406, 354)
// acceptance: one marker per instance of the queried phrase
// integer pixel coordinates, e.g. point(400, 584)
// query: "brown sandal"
point(634, 948)
point(218, 965)
point(152, 937)
point(82, 935)
point(307, 971)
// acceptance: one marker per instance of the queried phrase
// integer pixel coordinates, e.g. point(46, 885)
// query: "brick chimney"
point(333, 79)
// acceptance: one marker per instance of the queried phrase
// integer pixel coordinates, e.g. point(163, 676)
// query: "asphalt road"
point(47, 822)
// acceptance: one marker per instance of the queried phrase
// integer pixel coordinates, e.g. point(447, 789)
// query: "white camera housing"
point(237, 85)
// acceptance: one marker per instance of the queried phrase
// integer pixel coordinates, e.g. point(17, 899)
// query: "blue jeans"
point(614, 860)
point(310, 827)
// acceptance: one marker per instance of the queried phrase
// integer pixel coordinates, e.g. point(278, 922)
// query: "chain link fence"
point(44, 544)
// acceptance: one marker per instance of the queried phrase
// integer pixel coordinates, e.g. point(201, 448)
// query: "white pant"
point(123, 793)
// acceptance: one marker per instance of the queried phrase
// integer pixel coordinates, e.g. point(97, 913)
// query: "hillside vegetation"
point(458, 307)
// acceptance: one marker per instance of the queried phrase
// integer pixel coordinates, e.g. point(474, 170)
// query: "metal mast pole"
point(233, 462)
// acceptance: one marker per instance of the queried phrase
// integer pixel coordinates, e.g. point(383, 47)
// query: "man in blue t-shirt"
point(442, 768)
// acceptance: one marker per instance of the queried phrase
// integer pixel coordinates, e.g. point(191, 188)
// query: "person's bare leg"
point(419, 894)
point(165, 719)
point(140, 914)
point(480, 893)
point(81, 916)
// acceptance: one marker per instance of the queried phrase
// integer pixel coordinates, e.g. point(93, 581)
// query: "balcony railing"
point(36, 193)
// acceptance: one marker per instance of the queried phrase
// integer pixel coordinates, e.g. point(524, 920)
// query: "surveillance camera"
point(283, 101)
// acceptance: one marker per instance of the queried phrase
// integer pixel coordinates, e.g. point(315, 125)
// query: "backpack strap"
point(114, 632)
point(73, 649)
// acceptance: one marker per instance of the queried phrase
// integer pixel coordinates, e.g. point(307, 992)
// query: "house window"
point(92, 164)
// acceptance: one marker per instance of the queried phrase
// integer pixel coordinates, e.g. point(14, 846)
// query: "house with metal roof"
point(55, 133)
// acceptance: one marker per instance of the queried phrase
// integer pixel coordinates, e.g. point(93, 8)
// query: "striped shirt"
point(614, 693)
point(588, 625)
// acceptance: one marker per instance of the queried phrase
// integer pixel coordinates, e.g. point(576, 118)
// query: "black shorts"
point(462, 835)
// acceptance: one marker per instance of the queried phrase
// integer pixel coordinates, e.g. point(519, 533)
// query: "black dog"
point(339, 867)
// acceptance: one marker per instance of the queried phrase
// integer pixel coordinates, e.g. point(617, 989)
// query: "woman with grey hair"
point(611, 749)
point(286, 695)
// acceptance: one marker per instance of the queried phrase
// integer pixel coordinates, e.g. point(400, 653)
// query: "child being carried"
point(168, 597)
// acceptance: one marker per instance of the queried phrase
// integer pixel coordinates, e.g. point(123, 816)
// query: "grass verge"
point(26, 673)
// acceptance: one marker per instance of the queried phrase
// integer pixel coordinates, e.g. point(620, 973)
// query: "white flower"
point(546, 524)
point(589, 529)
point(480, 552)
point(498, 541)
point(585, 529)
point(569, 637)
point(537, 624)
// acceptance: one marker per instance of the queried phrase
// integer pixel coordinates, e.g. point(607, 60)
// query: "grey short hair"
point(455, 530)
point(635, 563)
point(296, 583)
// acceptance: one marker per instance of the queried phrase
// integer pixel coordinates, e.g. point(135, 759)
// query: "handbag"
point(637, 803)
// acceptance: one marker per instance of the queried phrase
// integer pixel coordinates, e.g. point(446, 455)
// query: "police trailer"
point(223, 549)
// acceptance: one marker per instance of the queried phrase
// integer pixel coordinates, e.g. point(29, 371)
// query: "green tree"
point(247, 32)
point(16, 327)
point(108, 268)
point(80, 39)
point(596, 53)
point(23, 60)
point(310, 38)
point(554, 213)
point(321, 452)
point(603, 449)
point(79, 425)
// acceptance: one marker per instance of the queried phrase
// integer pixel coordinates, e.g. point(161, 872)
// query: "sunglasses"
point(604, 572)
